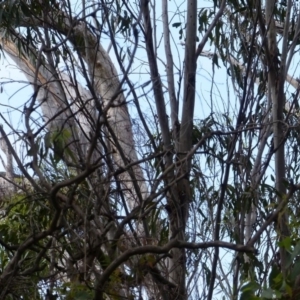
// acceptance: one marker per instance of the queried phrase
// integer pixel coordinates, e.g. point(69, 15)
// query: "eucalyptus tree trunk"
point(179, 195)
point(175, 265)
point(276, 79)
point(181, 208)
point(9, 169)
point(66, 105)
point(106, 89)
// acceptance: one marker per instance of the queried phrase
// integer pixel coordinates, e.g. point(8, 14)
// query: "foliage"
point(157, 156)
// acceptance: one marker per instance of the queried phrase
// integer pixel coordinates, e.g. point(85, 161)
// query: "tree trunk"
point(276, 79)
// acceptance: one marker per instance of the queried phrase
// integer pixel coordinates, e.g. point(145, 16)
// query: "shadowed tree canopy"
point(157, 154)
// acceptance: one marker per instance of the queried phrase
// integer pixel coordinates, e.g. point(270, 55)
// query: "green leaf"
point(83, 295)
point(249, 296)
point(296, 250)
point(30, 152)
point(215, 60)
point(270, 294)
point(273, 282)
point(285, 243)
point(287, 288)
point(176, 25)
point(295, 272)
point(207, 273)
point(251, 286)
